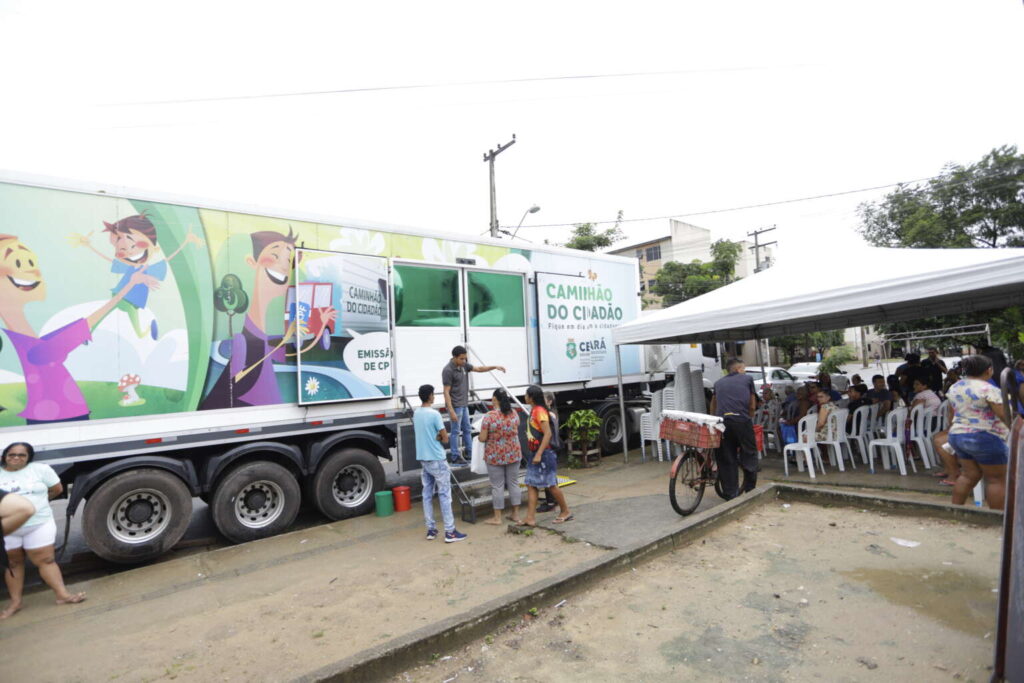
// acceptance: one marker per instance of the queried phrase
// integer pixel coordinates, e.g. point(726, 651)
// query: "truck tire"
point(255, 500)
point(345, 483)
point(137, 515)
point(610, 438)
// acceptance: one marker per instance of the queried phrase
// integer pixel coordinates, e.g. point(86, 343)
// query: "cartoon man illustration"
point(249, 379)
point(134, 240)
point(52, 395)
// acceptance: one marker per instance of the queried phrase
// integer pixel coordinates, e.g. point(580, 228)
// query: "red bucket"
point(759, 437)
point(403, 498)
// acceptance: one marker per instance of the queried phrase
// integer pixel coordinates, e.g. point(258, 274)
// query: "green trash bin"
point(384, 503)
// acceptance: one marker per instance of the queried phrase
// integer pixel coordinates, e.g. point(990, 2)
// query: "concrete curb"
point(416, 648)
point(902, 506)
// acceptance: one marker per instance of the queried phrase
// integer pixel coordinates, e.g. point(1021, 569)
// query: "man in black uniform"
point(735, 401)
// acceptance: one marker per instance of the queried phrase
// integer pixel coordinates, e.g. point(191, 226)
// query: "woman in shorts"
point(39, 484)
point(978, 433)
point(541, 468)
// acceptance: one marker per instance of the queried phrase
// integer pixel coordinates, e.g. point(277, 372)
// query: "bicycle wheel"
point(686, 488)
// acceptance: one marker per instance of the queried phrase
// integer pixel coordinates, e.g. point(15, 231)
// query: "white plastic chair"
point(919, 419)
point(668, 399)
point(861, 431)
point(844, 442)
point(833, 439)
point(893, 440)
point(649, 431)
point(772, 436)
point(943, 415)
point(805, 446)
point(873, 428)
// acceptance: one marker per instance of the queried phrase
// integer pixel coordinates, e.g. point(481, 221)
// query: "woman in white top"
point(39, 484)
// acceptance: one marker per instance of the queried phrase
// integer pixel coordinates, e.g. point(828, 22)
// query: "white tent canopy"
point(858, 287)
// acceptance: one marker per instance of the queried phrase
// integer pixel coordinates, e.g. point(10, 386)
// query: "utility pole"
point(758, 246)
point(489, 158)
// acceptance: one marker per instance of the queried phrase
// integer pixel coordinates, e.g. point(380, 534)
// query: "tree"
point(979, 205)
point(837, 357)
point(788, 344)
point(230, 298)
point(587, 237)
point(677, 282)
point(823, 341)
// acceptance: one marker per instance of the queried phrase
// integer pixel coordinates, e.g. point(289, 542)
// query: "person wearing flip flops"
point(436, 476)
point(541, 470)
point(39, 484)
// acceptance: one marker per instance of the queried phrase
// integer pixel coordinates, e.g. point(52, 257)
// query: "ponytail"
point(504, 401)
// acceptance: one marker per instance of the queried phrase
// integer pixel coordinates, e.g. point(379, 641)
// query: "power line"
point(1007, 182)
point(452, 84)
point(735, 208)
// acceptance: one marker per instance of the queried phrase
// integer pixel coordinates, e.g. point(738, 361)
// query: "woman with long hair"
point(38, 483)
point(541, 469)
point(499, 432)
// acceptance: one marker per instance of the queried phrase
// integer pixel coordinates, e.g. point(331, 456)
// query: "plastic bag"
point(788, 433)
point(477, 465)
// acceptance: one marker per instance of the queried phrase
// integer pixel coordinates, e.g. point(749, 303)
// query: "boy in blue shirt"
point(430, 434)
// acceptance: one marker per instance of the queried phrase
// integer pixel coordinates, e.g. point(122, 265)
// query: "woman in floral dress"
point(499, 433)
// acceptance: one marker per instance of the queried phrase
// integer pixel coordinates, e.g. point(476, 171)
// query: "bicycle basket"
point(690, 434)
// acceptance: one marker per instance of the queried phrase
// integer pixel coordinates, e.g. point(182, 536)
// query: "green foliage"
point(587, 236)
point(822, 341)
point(980, 205)
point(788, 344)
point(677, 282)
point(584, 426)
point(836, 358)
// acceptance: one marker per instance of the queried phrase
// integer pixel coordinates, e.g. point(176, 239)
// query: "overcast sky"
point(746, 103)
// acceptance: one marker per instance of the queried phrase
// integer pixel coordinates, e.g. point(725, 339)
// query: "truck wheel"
point(345, 483)
point(611, 430)
point(137, 515)
point(255, 500)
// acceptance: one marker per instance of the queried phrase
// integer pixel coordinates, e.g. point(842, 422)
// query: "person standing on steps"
point(430, 434)
point(735, 401)
point(455, 380)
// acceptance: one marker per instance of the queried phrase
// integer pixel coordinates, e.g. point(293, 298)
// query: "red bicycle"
point(692, 470)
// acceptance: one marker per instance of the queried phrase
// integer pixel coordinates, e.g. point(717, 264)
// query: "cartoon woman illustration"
point(52, 393)
point(249, 379)
point(134, 240)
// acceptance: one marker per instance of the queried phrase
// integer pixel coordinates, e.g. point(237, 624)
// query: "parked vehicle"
point(159, 348)
point(807, 372)
point(778, 378)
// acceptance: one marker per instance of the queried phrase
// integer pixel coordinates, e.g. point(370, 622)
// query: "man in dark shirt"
point(936, 369)
point(456, 401)
point(735, 401)
point(858, 399)
point(880, 394)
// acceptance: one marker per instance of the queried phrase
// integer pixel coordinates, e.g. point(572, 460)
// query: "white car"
point(808, 372)
point(778, 378)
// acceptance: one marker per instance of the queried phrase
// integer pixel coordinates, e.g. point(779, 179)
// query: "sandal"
point(563, 520)
point(947, 482)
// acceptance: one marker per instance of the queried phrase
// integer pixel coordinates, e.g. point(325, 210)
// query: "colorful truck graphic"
point(134, 327)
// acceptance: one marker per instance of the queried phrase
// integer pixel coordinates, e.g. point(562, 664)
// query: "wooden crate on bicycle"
point(690, 433)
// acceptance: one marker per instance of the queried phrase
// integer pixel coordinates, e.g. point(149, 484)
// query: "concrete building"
point(686, 243)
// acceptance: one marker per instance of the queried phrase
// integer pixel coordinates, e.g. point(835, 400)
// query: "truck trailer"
point(158, 348)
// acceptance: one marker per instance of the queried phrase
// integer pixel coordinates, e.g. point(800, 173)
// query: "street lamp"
point(532, 209)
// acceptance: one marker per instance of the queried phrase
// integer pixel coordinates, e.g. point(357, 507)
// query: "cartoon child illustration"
point(134, 240)
point(249, 379)
point(52, 393)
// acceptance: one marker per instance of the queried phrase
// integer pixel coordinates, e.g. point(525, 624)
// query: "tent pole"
point(622, 405)
point(760, 361)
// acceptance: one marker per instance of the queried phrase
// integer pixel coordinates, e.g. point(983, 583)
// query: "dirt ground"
point(273, 611)
point(784, 593)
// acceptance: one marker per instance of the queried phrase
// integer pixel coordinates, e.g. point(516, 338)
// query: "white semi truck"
point(157, 348)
